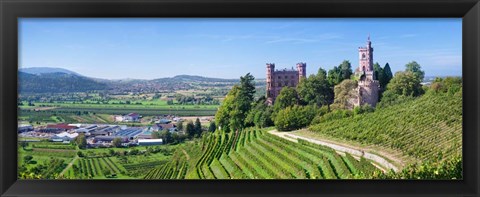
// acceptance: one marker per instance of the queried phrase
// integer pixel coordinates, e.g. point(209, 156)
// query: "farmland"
point(410, 128)
point(256, 154)
point(49, 160)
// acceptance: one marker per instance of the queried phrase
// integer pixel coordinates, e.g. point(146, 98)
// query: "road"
point(354, 151)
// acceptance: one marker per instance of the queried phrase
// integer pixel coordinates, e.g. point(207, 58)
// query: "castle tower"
point(269, 80)
point(365, 55)
point(368, 87)
point(302, 70)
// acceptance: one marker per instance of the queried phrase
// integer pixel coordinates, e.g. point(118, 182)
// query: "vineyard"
point(256, 154)
point(427, 128)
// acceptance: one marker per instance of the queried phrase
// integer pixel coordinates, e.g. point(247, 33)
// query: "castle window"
point(278, 77)
point(286, 77)
point(291, 77)
point(279, 84)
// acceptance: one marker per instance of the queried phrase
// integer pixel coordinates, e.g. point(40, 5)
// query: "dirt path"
point(68, 166)
point(355, 151)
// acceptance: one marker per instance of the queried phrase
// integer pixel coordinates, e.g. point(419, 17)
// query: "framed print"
point(239, 98)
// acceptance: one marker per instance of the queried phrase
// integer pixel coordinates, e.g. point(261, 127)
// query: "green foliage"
point(415, 127)
point(259, 155)
point(260, 115)
point(198, 127)
point(450, 85)
point(343, 93)
point(237, 104)
point(443, 170)
point(363, 109)
point(387, 75)
point(295, 117)
point(190, 129)
point(287, 97)
point(416, 69)
point(340, 73)
point(81, 141)
point(27, 158)
point(405, 83)
point(166, 136)
point(212, 127)
point(117, 142)
point(179, 125)
point(315, 89)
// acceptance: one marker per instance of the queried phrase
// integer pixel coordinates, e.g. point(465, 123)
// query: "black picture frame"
point(11, 10)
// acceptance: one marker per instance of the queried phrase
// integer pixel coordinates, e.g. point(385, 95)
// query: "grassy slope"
point(427, 128)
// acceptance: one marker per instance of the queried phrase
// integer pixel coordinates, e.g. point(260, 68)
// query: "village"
point(103, 135)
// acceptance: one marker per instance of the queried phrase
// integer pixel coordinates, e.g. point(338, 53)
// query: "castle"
point(368, 86)
point(365, 93)
point(277, 79)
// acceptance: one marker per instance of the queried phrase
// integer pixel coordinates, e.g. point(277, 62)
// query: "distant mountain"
point(57, 82)
point(195, 78)
point(44, 70)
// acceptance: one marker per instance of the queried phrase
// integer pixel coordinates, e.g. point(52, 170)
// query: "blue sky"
point(228, 48)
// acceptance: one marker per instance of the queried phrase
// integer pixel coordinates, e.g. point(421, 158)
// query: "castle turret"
point(365, 55)
point(302, 70)
point(269, 80)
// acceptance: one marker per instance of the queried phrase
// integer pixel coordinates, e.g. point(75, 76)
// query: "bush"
point(363, 109)
point(295, 117)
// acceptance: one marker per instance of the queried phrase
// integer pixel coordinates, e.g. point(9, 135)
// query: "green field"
point(256, 154)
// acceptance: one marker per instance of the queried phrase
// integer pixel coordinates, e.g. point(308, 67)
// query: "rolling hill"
point(57, 82)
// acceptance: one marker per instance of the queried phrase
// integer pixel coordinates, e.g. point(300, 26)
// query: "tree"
point(81, 141)
point(287, 97)
point(345, 70)
point(190, 129)
point(27, 158)
point(222, 117)
point(388, 75)
point(117, 142)
point(180, 125)
point(166, 136)
point(405, 83)
point(198, 127)
point(340, 73)
point(80, 154)
point(416, 69)
point(315, 89)
point(343, 93)
point(295, 117)
point(212, 127)
point(379, 74)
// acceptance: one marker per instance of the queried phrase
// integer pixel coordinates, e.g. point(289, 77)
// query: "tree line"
point(317, 95)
